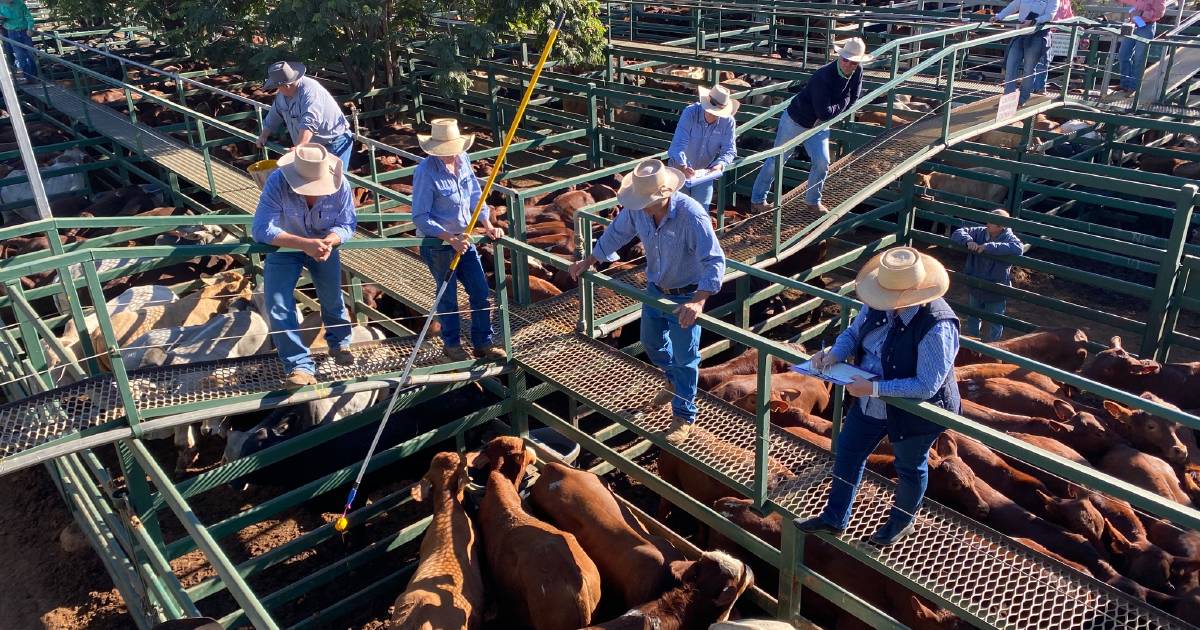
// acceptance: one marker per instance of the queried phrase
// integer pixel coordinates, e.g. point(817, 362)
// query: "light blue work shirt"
point(282, 210)
point(697, 144)
point(935, 358)
point(683, 250)
point(313, 108)
point(443, 201)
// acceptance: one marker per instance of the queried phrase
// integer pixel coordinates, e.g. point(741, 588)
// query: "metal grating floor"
point(957, 561)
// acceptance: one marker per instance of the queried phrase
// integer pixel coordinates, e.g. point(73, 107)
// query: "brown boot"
point(817, 207)
point(299, 378)
point(342, 356)
point(679, 431)
point(491, 353)
point(662, 398)
point(759, 208)
point(455, 353)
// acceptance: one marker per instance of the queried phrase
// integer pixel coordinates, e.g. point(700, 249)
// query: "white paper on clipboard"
point(838, 373)
point(702, 175)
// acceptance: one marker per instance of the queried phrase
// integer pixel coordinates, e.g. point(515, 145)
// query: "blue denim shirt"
point(443, 201)
point(281, 210)
point(1044, 9)
point(313, 108)
point(936, 358)
point(998, 269)
point(683, 250)
point(698, 144)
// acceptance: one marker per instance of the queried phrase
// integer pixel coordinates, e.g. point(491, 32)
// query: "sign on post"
point(1060, 45)
point(1008, 105)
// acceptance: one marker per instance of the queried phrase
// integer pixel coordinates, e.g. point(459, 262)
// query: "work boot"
point(662, 398)
point(887, 534)
point(679, 431)
point(816, 207)
point(342, 356)
point(299, 378)
point(759, 208)
point(491, 353)
point(816, 526)
point(455, 353)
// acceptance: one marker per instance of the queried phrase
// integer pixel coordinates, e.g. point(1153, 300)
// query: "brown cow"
point(1011, 422)
point(1014, 397)
point(1148, 563)
point(967, 186)
point(1025, 489)
point(1010, 371)
point(1177, 383)
point(446, 591)
point(1064, 348)
point(1154, 435)
point(1147, 471)
point(630, 560)
point(542, 571)
point(800, 391)
point(741, 365)
point(703, 488)
point(784, 415)
point(709, 587)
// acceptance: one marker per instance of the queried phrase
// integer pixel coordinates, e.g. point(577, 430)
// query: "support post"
point(502, 298)
point(1168, 273)
point(762, 429)
point(791, 549)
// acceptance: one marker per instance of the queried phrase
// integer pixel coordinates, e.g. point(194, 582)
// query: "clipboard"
point(703, 175)
point(838, 373)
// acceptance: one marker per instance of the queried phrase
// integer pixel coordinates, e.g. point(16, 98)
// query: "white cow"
point(133, 299)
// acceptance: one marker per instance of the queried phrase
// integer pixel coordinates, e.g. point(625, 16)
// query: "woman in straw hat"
point(704, 139)
point(305, 205)
point(445, 192)
point(684, 264)
point(309, 111)
point(907, 336)
point(831, 90)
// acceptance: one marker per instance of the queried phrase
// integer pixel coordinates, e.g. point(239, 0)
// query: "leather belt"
point(691, 288)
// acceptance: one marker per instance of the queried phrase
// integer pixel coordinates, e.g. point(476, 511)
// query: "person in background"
point(18, 26)
point(907, 336)
point(1131, 56)
point(307, 109)
point(305, 205)
point(1065, 12)
point(1026, 51)
point(704, 139)
point(831, 90)
point(990, 248)
point(444, 195)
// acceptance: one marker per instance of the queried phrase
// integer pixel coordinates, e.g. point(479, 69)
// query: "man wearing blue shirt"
point(684, 264)
point(704, 139)
point(445, 192)
point(831, 90)
point(309, 111)
point(305, 205)
point(908, 337)
point(1024, 52)
point(1000, 245)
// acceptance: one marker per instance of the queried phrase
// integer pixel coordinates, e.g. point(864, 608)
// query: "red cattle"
point(1177, 383)
point(1009, 371)
point(703, 488)
point(799, 391)
point(1149, 564)
point(1015, 397)
point(1025, 489)
point(1064, 348)
point(784, 415)
point(1011, 422)
point(741, 365)
point(1144, 470)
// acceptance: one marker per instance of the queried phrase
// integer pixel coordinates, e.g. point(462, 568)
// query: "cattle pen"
point(1113, 251)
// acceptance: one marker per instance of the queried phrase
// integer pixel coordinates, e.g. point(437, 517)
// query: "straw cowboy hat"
point(901, 277)
point(310, 169)
point(717, 101)
point(444, 138)
point(854, 49)
point(650, 181)
point(283, 73)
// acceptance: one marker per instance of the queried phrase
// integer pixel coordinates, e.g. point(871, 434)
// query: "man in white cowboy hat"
point(445, 191)
point(704, 139)
point(308, 109)
point(305, 205)
point(907, 336)
point(990, 250)
point(831, 90)
point(684, 264)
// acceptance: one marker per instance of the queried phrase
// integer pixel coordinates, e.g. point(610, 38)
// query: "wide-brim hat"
point(717, 101)
point(901, 277)
point(650, 181)
point(444, 138)
point(283, 73)
point(854, 49)
point(310, 169)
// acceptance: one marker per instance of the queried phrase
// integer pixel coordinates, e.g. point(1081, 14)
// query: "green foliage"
point(87, 13)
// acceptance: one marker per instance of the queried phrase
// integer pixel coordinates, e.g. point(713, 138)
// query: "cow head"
point(951, 479)
point(1151, 433)
point(717, 577)
point(1117, 367)
point(507, 454)
point(447, 473)
point(1143, 561)
point(1077, 515)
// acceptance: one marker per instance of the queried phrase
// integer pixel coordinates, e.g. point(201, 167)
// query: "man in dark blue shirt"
point(831, 90)
point(991, 248)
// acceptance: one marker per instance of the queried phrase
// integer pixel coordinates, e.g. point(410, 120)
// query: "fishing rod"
point(343, 522)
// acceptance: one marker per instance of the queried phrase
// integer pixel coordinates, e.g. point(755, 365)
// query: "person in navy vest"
point(907, 336)
point(991, 248)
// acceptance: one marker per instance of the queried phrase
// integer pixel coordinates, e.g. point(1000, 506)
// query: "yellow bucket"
point(260, 170)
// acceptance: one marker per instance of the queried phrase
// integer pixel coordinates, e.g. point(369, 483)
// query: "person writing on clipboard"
point(907, 336)
point(705, 142)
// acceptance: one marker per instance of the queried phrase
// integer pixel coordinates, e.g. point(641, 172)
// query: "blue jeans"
point(995, 305)
point(858, 438)
point(22, 58)
point(818, 154)
point(1131, 56)
point(701, 192)
point(675, 350)
point(281, 271)
point(1021, 60)
point(342, 148)
point(1041, 70)
point(470, 273)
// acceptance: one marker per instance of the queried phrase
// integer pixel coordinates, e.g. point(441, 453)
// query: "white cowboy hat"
point(717, 101)
point(311, 170)
point(854, 49)
point(901, 277)
point(649, 181)
point(444, 138)
point(283, 73)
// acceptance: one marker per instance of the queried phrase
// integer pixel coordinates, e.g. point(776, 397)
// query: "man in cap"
point(704, 139)
point(305, 205)
point(831, 90)
point(907, 336)
point(308, 109)
point(1000, 245)
point(684, 264)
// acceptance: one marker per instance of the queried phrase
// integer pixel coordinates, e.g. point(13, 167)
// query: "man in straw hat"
point(991, 248)
point(831, 90)
point(445, 192)
point(684, 264)
point(308, 109)
point(305, 205)
point(906, 335)
point(704, 139)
